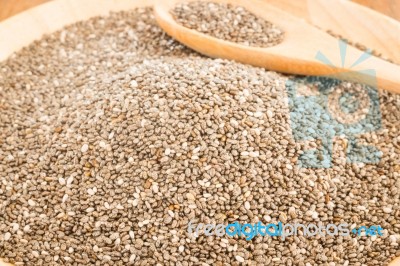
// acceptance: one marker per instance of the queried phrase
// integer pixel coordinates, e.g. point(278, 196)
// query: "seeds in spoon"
point(228, 22)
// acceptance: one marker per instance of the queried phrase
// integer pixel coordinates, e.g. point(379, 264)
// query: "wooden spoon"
point(296, 54)
point(352, 21)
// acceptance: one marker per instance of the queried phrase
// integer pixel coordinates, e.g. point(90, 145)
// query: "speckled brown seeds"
point(228, 22)
point(113, 137)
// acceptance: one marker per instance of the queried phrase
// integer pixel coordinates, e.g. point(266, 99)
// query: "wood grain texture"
point(352, 21)
point(387, 7)
point(9, 8)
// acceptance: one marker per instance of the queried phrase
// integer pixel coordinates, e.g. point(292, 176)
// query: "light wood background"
point(388, 7)
point(12, 7)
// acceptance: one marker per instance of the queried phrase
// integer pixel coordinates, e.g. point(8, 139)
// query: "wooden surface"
point(368, 27)
point(388, 7)
point(9, 8)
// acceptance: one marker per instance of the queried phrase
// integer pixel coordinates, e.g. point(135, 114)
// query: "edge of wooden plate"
point(52, 16)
